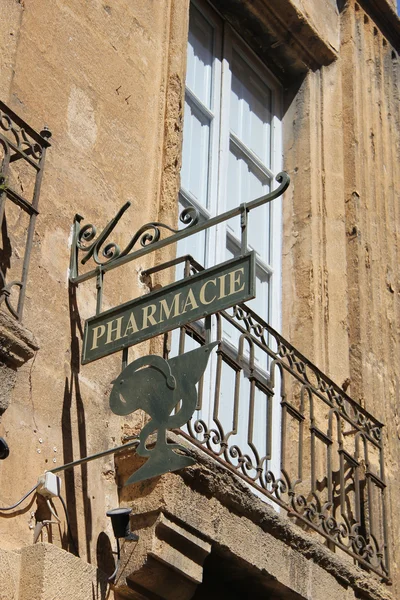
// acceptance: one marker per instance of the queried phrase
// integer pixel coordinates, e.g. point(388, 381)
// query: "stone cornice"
point(229, 500)
point(385, 17)
point(284, 38)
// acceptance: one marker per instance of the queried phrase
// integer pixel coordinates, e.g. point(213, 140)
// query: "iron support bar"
point(21, 202)
point(243, 226)
point(86, 459)
point(283, 178)
point(99, 288)
point(172, 263)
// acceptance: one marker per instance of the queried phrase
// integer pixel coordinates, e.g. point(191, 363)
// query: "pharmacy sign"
point(170, 307)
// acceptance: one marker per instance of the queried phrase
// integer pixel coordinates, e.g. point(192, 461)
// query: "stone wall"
point(371, 119)
point(108, 80)
point(341, 222)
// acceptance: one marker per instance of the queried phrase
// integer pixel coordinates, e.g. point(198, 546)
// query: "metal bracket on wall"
point(149, 235)
point(24, 151)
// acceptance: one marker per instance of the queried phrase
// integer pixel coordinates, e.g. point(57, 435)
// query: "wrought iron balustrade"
point(22, 156)
point(273, 418)
point(264, 410)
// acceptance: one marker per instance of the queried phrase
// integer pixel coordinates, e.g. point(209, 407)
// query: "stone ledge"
point(17, 344)
point(385, 16)
point(232, 492)
point(216, 505)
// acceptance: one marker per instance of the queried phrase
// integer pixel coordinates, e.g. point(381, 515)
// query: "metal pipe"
point(86, 459)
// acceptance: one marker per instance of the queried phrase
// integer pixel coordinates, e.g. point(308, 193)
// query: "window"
point(231, 154)
point(231, 150)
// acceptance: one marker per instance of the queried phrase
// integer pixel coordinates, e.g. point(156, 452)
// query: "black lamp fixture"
point(4, 449)
point(121, 523)
point(122, 530)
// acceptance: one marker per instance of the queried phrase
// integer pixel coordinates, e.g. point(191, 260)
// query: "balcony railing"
point(273, 418)
point(22, 155)
point(264, 410)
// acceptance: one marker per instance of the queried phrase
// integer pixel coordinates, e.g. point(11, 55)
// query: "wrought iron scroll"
point(103, 253)
point(107, 255)
point(331, 477)
point(19, 145)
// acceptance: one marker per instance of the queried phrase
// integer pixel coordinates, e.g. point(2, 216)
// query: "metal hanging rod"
point(148, 236)
point(87, 459)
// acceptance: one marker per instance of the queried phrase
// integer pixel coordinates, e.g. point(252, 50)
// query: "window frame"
point(226, 41)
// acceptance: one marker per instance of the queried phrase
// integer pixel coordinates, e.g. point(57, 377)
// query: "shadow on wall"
point(5, 250)
point(105, 563)
point(225, 576)
point(71, 391)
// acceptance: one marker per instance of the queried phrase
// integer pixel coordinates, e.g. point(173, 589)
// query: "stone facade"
point(108, 80)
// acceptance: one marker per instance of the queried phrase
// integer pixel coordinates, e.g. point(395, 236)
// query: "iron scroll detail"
point(20, 147)
point(108, 255)
point(330, 474)
point(148, 234)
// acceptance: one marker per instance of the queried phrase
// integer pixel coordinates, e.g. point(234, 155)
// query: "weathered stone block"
point(167, 560)
point(17, 346)
point(48, 573)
